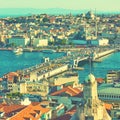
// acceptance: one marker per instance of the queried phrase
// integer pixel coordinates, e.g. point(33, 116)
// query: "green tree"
point(45, 19)
point(105, 79)
point(64, 41)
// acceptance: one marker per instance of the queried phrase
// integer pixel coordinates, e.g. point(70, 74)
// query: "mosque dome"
point(90, 78)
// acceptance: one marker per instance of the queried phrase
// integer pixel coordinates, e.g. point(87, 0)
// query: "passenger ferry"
point(18, 50)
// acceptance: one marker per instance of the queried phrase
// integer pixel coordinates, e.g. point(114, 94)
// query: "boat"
point(48, 51)
point(78, 68)
point(18, 50)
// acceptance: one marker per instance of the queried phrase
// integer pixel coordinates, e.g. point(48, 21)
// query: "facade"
point(46, 73)
point(68, 96)
point(113, 76)
point(34, 87)
point(100, 42)
point(58, 109)
point(65, 81)
point(19, 41)
point(40, 42)
point(103, 42)
point(115, 112)
point(109, 92)
point(91, 108)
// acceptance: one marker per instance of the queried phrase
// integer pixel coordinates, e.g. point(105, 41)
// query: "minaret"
point(96, 25)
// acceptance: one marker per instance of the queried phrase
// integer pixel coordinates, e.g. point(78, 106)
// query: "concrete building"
point(68, 96)
point(91, 108)
point(100, 42)
point(109, 92)
point(19, 41)
point(40, 42)
point(33, 111)
point(58, 109)
point(64, 80)
point(112, 76)
point(115, 112)
point(34, 87)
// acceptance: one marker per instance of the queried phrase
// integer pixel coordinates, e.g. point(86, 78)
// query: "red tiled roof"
point(27, 76)
point(108, 106)
point(10, 78)
point(1, 79)
point(69, 90)
point(10, 108)
point(99, 80)
point(12, 74)
point(30, 111)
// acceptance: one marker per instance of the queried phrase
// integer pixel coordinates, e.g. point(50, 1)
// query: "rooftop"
point(68, 90)
point(33, 111)
point(109, 89)
point(67, 115)
point(7, 109)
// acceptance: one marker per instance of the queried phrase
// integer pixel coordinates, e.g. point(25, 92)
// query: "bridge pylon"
point(75, 63)
point(46, 59)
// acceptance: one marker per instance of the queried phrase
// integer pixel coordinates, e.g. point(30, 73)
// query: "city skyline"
point(100, 5)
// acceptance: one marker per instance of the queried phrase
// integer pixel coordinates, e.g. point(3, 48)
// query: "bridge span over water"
point(50, 68)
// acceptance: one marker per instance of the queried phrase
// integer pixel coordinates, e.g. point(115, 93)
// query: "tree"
point(45, 19)
point(63, 42)
point(105, 79)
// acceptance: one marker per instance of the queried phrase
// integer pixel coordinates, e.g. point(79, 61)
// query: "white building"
point(40, 42)
point(113, 76)
point(19, 41)
point(100, 42)
point(35, 87)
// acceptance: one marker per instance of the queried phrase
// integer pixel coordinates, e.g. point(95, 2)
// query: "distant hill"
point(30, 11)
point(22, 11)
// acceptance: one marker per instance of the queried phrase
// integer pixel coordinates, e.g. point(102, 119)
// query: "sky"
point(101, 5)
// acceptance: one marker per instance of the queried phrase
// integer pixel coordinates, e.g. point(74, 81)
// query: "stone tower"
point(90, 88)
point(91, 107)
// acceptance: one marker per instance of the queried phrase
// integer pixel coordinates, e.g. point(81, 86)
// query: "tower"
point(90, 88)
point(91, 108)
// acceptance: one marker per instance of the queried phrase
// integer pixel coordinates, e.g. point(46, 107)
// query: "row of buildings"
point(59, 97)
point(39, 30)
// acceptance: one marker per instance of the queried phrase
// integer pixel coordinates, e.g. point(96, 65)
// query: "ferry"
point(48, 51)
point(18, 50)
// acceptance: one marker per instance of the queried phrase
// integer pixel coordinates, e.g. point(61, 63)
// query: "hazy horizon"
point(52, 11)
point(100, 5)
